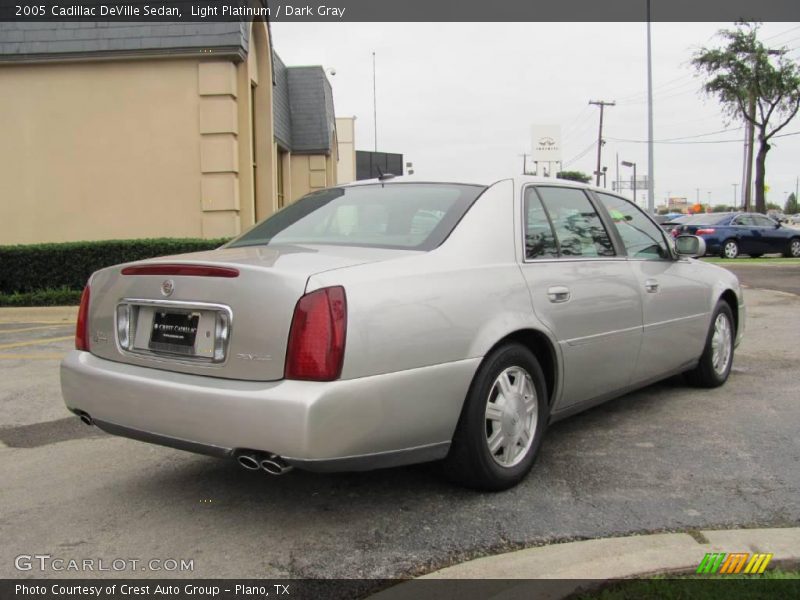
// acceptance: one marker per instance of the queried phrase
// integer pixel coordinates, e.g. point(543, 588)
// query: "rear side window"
point(642, 237)
point(539, 239)
point(578, 230)
point(414, 216)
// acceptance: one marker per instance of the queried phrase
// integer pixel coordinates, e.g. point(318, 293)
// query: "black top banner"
point(401, 10)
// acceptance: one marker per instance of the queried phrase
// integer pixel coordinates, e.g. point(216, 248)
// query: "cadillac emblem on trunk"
point(167, 287)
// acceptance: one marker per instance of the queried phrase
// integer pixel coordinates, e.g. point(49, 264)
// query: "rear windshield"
point(712, 219)
point(414, 216)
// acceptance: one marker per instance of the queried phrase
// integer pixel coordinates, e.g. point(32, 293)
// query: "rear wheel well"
point(730, 298)
point(541, 347)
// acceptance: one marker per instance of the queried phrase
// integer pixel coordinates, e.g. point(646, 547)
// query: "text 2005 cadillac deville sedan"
point(390, 322)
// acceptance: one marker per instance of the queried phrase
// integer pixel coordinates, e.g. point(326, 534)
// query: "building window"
point(281, 177)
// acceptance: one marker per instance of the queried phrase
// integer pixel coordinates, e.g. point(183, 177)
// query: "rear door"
point(747, 234)
point(674, 296)
point(581, 290)
point(772, 237)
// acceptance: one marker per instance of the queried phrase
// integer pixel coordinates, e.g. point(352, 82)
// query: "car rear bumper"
point(358, 424)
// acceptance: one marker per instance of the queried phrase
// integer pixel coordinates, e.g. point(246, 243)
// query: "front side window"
point(413, 216)
point(642, 238)
point(578, 229)
point(762, 221)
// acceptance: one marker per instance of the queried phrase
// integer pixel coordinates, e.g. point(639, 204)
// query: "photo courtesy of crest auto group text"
point(399, 300)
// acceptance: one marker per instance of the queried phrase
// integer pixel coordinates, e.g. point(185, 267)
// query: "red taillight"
point(704, 231)
point(316, 339)
point(187, 270)
point(82, 327)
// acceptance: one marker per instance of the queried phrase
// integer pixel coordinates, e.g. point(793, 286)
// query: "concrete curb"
point(573, 563)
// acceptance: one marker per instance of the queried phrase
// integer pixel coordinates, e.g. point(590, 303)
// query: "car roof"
point(519, 180)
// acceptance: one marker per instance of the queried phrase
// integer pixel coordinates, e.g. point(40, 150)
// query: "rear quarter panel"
point(450, 304)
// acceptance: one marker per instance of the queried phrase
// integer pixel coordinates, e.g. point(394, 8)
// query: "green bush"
point(59, 297)
point(67, 266)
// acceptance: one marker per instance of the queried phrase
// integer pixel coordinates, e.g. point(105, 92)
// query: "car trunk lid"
point(222, 313)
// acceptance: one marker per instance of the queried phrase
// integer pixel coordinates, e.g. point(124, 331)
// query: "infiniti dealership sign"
point(546, 143)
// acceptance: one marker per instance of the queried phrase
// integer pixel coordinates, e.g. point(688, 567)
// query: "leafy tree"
point(574, 176)
point(721, 208)
point(745, 71)
point(773, 206)
point(791, 207)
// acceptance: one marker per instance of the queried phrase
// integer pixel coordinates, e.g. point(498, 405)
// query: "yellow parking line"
point(37, 321)
point(35, 342)
point(40, 356)
point(2, 331)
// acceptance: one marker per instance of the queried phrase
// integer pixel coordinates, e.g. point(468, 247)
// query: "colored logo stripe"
point(733, 563)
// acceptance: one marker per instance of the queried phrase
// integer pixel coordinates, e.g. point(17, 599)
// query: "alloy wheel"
point(731, 249)
point(721, 344)
point(511, 416)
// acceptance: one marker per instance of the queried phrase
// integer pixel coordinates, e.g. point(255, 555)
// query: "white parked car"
point(387, 323)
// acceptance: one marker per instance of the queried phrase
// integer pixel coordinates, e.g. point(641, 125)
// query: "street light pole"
point(626, 163)
point(651, 198)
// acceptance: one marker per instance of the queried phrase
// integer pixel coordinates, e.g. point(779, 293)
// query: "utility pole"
point(735, 201)
point(374, 102)
point(602, 104)
point(524, 163)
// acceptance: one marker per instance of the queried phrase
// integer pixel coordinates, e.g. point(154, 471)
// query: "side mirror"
point(777, 225)
point(690, 246)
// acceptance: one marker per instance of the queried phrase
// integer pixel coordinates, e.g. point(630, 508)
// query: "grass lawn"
point(752, 261)
point(776, 583)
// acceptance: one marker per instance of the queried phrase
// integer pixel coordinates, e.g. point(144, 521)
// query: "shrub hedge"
point(67, 266)
point(59, 297)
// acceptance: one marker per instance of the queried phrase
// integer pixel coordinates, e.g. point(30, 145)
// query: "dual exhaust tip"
point(271, 463)
point(250, 460)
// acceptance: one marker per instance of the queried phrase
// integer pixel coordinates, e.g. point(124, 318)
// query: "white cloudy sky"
point(458, 99)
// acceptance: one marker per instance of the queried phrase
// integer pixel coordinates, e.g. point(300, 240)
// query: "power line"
point(738, 141)
point(781, 33)
point(583, 153)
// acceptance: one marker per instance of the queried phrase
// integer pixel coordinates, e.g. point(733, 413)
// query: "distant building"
point(346, 135)
point(370, 165)
point(130, 130)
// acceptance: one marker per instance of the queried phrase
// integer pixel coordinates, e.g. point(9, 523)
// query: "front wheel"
point(730, 249)
point(502, 423)
point(715, 364)
point(793, 251)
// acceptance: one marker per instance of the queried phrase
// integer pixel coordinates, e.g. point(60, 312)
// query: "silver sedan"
point(389, 322)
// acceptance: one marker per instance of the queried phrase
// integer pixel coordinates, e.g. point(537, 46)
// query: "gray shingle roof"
point(311, 107)
point(302, 96)
point(281, 112)
point(26, 41)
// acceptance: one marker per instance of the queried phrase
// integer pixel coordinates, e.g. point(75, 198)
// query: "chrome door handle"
point(651, 285)
point(558, 293)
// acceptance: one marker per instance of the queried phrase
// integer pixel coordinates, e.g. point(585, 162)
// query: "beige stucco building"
point(128, 130)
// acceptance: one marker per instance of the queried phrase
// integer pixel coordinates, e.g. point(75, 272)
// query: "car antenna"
point(383, 176)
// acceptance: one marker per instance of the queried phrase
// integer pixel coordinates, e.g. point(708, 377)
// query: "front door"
point(674, 296)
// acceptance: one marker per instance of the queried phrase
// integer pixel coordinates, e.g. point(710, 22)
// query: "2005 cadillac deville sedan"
point(387, 323)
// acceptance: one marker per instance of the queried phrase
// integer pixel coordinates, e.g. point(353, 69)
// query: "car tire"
point(729, 249)
point(497, 437)
point(715, 363)
point(793, 248)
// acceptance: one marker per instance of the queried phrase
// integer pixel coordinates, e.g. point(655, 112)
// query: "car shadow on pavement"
point(179, 474)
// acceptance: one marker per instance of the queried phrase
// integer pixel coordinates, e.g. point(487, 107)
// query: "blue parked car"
point(732, 234)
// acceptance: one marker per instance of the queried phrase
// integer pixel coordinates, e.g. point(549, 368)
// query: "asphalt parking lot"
point(665, 458)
